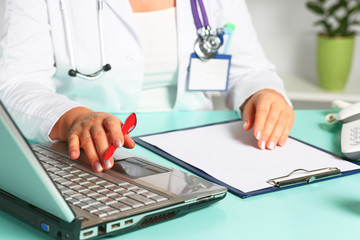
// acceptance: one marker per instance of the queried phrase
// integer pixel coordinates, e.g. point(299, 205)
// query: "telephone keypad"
point(355, 136)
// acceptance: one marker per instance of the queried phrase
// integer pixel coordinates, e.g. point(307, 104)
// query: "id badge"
point(210, 75)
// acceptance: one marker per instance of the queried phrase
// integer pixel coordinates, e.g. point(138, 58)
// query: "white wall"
point(286, 31)
point(2, 3)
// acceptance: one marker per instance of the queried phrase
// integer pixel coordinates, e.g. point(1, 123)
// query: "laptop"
point(65, 199)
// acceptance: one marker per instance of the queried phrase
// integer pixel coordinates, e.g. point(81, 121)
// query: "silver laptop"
point(65, 199)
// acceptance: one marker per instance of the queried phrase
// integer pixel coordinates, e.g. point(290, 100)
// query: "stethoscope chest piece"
point(206, 48)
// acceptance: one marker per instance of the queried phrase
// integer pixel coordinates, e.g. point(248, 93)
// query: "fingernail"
point(262, 144)
point(98, 167)
point(281, 142)
point(118, 143)
point(72, 154)
point(271, 145)
point(258, 135)
point(107, 164)
point(245, 124)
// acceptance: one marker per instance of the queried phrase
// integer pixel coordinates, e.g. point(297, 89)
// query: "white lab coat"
point(35, 86)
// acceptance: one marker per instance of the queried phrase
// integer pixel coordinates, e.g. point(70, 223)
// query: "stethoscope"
point(73, 72)
point(206, 45)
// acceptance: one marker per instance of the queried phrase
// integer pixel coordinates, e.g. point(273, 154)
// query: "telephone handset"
point(350, 131)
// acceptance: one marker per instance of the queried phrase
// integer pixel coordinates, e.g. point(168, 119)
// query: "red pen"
point(128, 126)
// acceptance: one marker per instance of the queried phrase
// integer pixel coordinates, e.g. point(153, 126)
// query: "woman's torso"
point(119, 89)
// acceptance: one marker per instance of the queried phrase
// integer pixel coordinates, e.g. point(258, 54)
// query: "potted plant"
point(335, 43)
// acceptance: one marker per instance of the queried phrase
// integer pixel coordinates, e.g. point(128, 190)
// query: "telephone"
point(349, 116)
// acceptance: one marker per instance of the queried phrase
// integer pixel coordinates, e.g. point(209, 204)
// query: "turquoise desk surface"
point(325, 210)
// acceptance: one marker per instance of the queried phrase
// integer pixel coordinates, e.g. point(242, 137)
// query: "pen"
point(128, 126)
point(228, 31)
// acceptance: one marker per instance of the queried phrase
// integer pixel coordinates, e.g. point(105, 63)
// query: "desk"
point(326, 210)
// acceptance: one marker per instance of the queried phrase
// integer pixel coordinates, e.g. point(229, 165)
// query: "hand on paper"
point(93, 131)
point(270, 116)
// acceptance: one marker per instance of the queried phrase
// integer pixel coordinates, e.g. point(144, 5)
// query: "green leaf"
point(316, 8)
point(354, 9)
point(342, 29)
point(328, 28)
point(355, 22)
point(334, 8)
point(337, 17)
point(319, 22)
point(344, 3)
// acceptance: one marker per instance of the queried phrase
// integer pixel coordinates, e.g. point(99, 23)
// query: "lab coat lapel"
point(122, 9)
point(186, 30)
point(125, 14)
point(186, 39)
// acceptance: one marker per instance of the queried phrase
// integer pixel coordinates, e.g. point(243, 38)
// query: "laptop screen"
point(22, 175)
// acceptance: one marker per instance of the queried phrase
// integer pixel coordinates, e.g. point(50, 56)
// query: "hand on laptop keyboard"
point(93, 194)
point(94, 132)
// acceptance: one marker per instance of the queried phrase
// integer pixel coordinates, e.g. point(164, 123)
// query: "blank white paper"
point(230, 154)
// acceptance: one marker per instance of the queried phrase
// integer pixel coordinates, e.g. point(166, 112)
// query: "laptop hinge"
point(54, 226)
point(8, 194)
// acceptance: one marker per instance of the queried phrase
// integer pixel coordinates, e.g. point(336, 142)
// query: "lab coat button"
point(123, 108)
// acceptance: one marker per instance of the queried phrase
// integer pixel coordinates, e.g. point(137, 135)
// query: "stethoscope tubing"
point(74, 72)
point(199, 25)
point(68, 33)
point(203, 29)
point(101, 34)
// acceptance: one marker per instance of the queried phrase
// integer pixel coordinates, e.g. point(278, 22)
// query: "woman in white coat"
point(148, 44)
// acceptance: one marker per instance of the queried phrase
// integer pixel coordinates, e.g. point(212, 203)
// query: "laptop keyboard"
point(95, 195)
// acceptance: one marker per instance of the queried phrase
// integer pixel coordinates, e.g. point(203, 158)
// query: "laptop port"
point(89, 233)
point(128, 222)
point(116, 225)
point(45, 227)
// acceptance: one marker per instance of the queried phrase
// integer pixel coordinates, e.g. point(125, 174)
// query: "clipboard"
point(308, 164)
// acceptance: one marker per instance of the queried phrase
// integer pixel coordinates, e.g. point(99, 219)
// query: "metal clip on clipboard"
point(299, 176)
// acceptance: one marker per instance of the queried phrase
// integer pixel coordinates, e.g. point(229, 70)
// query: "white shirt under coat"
point(34, 60)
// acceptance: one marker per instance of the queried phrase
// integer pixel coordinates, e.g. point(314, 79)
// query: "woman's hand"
point(92, 131)
point(270, 116)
